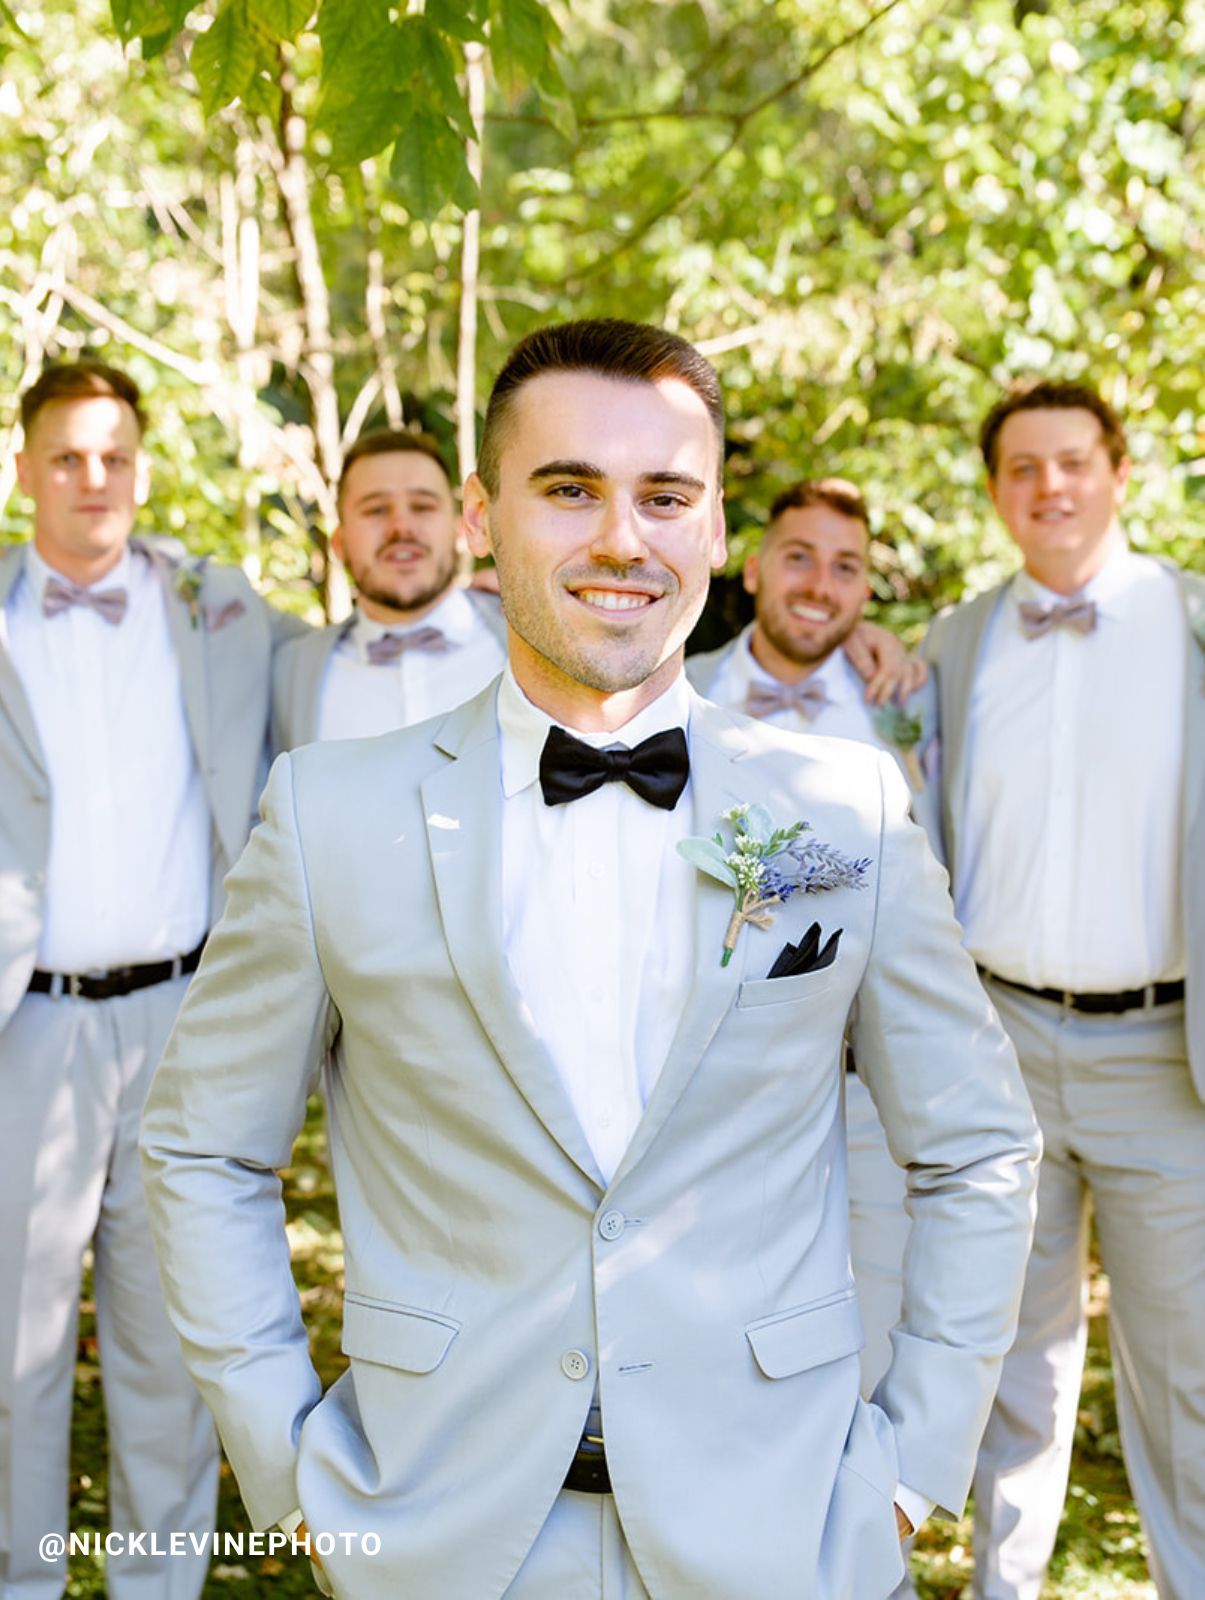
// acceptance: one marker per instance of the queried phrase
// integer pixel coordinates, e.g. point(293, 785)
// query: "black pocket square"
point(807, 955)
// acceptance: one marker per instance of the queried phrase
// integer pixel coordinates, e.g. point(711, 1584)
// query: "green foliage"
point(388, 80)
point(867, 248)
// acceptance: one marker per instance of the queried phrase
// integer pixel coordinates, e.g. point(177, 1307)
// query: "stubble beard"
point(441, 581)
point(802, 653)
point(609, 668)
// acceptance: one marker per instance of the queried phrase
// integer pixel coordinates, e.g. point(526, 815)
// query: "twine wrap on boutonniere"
point(765, 865)
point(187, 579)
point(901, 728)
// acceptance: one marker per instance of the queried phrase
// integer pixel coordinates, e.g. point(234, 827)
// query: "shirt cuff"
point(914, 1506)
point(290, 1524)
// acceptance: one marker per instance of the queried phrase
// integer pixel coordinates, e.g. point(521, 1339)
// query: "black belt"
point(1155, 994)
point(588, 1470)
point(117, 981)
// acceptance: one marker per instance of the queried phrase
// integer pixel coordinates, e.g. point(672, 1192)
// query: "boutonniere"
point(901, 728)
point(186, 583)
point(764, 866)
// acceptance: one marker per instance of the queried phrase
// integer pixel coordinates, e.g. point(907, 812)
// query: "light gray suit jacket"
point(704, 672)
point(223, 635)
point(708, 1284)
point(300, 667)
point(954, 643)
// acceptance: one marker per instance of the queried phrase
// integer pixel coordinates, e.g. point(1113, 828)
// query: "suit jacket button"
point(575, 1363)
point(611, 1224)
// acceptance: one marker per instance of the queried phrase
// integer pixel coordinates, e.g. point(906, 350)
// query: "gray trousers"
point(580, 1554)
point(1125, 1136)
point(73, 1078)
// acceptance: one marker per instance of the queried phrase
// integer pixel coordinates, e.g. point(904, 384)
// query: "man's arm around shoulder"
point(226, 1105)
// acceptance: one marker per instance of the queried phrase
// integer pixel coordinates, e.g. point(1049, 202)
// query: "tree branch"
point(740, 122)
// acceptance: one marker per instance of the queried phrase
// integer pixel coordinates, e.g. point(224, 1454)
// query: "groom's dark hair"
point(632, 352)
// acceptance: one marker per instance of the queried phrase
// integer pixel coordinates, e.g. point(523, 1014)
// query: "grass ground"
point(1100, 1554)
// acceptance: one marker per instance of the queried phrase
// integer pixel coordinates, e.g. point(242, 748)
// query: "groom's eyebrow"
point(567, 469)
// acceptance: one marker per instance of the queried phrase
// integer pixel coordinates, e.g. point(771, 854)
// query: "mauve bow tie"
point(392, 645)
point(60, 593)
point(764, 699)
point(656, 769)
point(1038, 619)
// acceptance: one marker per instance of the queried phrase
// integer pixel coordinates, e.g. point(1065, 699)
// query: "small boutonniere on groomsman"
point(765, 865)
point(187, 579)
point(902, 730)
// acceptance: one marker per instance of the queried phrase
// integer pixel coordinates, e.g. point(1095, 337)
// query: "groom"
point(602, 1332)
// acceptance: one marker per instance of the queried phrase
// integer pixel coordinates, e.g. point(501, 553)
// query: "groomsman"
point(1073, 726)
point(809, 583)
point(586, 1131)
point(133, 715)
point(417, 643)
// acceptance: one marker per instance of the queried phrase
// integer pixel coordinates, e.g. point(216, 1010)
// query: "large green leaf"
point(284, 19)
point(520, 31)
point(435, 71)
point(428, 160)
point(225, 58)
point(353, 33)
point(365, 123)
point(135, 19)
point(457, 18)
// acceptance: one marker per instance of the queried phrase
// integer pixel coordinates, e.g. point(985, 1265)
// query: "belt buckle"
point(72, 982)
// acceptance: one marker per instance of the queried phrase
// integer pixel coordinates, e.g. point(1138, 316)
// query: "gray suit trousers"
point(1125, 1137)
point(74, 1075)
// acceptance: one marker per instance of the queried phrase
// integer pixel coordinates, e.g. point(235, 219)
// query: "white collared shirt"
point(360, 699)
point(846, 716)
point(598, 918)
point(130, 834)
point(1068, 871)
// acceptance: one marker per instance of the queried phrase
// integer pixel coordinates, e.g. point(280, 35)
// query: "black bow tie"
point(656, 769)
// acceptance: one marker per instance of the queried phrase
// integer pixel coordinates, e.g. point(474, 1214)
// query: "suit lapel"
point(957, 662)
point(187, 631)
point(462, 805)
point(313, 657)
point(14, 703)
point(716, 745)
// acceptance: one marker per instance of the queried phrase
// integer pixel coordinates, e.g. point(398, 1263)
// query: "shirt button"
point(596, 869)
point(575, 1364)
point(611, 1224)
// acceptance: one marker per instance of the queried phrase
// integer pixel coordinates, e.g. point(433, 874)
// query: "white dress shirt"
point(1068, 873)
point(602, 950)
point(361, 699)
point(129, 866)
point(846, 715)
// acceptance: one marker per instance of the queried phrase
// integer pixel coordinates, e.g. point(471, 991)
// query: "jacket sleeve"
point(944, 1077)
point(227, 1103)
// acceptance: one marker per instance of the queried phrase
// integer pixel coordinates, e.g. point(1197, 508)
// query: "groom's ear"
point(475, 517)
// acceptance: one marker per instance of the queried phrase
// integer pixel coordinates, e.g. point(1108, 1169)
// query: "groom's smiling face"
point(605, 528)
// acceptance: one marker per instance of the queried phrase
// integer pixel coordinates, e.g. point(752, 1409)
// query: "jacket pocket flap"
point(794, 1341)
point(396, 1336)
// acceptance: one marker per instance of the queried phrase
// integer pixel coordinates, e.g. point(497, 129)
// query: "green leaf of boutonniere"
point(896, 726)
point(710, 858)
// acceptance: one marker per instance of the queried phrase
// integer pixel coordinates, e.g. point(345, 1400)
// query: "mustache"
point(657, 580)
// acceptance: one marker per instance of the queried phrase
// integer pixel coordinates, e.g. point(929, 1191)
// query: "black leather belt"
point(588, 1470)
point(117, 981)
point(1155, 994)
